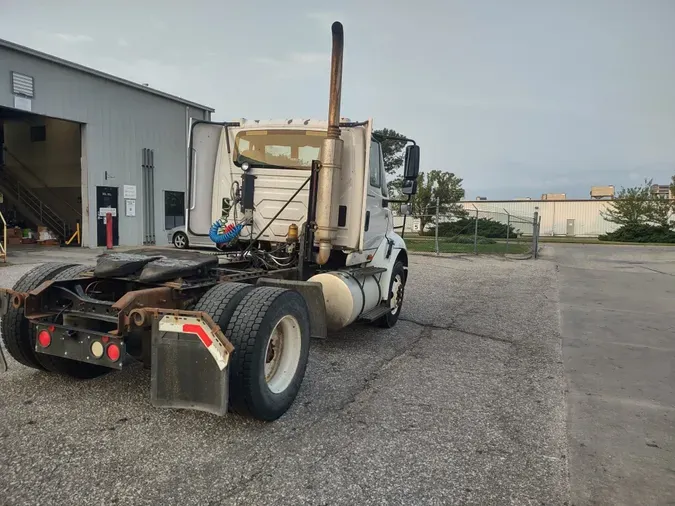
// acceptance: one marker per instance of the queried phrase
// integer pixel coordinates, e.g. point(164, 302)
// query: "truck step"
point(374, 314)
point(367, 271)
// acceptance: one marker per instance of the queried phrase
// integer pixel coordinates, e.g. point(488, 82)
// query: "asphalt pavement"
point(461, 403)
point(617, 305)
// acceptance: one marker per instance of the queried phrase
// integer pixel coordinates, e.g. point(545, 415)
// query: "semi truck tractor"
point(300, 213)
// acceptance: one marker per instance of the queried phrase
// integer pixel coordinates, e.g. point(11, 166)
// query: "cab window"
point(383, 176)
point(375, 167)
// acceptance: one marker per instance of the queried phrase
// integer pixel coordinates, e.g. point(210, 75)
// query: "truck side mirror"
point(409, 187)
point(412, 162)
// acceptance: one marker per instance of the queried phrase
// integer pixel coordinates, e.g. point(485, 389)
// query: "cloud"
point(265, 60)
point(73, 38)
point(294, 65)
point(122, 42)
point(309, 58)
point(325, 17)
point(294, 59)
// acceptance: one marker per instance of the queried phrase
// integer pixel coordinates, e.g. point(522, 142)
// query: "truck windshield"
point(293, 149)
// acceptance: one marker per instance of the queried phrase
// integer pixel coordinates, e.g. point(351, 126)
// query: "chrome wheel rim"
point(179, 241)
point(396, 294)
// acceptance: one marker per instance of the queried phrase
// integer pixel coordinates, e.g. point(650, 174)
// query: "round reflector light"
point(97, 349)
point(44, 338)
point(113, 352)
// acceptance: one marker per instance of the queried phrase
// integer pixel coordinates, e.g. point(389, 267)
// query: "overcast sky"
point(516, 97)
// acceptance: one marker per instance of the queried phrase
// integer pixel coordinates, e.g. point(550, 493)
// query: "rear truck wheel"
point(221, 301)
point(66, 366)
point(270, 332)
point(180, 240)
point(396, 292)
point(17, 332)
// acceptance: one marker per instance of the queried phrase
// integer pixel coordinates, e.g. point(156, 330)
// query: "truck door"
point(377, 216)
point(203, 157)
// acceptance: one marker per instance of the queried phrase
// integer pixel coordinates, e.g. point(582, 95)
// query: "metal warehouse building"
point(573, 218)
point(78, 142)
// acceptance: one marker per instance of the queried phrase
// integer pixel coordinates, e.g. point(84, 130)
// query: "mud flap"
point(189, 365)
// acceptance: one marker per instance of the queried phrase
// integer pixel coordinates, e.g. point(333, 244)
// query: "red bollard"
point(108, 231)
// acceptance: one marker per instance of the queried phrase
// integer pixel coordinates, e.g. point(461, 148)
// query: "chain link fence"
point(477, 232)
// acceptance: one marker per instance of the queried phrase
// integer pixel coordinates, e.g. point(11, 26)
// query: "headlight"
point(245, 166)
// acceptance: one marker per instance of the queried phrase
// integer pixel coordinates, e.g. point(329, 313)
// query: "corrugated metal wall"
point(588, 222)
point(119, 122)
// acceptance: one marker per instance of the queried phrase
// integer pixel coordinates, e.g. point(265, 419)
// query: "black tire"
point(389, 320)
point(66, 366)
point(221, 301)
point(17, 332)
point(176, 242)
point(249, 330)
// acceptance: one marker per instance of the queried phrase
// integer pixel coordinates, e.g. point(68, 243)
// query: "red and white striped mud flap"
point(189, 369)
point(196, 325)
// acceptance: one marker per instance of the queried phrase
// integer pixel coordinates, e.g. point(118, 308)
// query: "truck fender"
point(391, 250)
point(312, 292)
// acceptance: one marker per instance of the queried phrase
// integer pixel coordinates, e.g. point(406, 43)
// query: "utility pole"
point(438, 203)
point(508, 228)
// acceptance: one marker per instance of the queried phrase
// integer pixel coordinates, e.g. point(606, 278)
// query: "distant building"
point(481, 198)
point(523, 198)
point(567, 217)
point(602, 192)
point(662, 190)
point(553, 196)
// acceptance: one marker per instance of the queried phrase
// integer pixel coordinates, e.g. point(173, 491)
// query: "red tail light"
point(44, 338)
point(113, 352)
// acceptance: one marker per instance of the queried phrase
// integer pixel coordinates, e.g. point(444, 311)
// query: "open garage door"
point(41, 174)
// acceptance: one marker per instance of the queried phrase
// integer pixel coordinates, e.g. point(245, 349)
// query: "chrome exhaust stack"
point(331, 155)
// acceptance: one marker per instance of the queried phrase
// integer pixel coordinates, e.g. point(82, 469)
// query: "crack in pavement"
point(351, 399)
point(372, 376)
point(451, 326)
point(243, 484)
point(657, 271)
point(381, 365)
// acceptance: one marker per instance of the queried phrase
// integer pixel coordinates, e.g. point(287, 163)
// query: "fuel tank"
point(347, 296)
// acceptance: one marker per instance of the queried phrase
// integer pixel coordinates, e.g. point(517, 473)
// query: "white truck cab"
point(279, 155)
point(275, 157)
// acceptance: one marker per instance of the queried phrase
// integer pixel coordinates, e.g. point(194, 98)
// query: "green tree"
point(660, 210)
point(392, 150)
point(444, 185)
point(639, 206)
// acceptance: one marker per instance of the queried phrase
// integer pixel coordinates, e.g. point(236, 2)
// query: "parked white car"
point(181, 239)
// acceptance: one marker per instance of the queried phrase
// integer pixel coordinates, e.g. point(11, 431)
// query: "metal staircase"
point(30, 205)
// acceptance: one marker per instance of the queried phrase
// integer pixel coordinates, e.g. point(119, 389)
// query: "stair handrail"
point(46, 214)
point(39, 179)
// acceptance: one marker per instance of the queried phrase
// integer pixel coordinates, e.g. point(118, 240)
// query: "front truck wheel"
point(66, 366)
point(270, 331)
point(17, 332)
point(396, 292)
